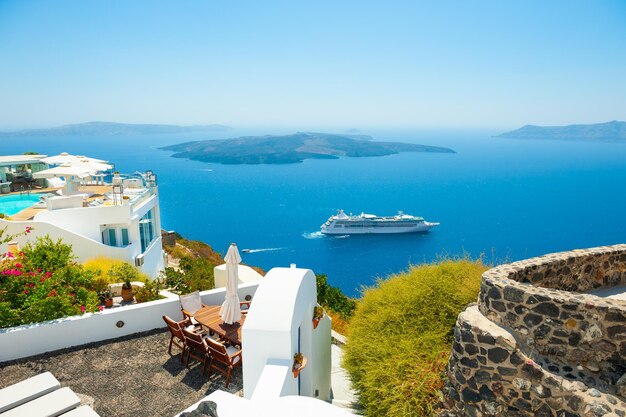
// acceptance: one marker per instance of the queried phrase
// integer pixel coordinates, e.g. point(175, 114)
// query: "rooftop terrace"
point(129, 376)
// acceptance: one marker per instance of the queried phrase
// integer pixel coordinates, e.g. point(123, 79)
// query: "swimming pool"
point(12, 204)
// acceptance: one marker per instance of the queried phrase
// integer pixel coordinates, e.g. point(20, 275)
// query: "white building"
point(16, 172)
point(120, 220)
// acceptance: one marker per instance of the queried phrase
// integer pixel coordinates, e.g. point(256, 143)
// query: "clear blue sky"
point(332, 63)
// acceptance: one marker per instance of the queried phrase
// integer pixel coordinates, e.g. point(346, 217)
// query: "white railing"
point(33, 339)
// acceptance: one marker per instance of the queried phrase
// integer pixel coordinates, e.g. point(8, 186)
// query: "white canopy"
point(231, 311)
point(65, 171)
point(66, 158)
point(92, 165)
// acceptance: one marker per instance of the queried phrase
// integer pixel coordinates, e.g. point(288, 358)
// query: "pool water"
point(12, 204)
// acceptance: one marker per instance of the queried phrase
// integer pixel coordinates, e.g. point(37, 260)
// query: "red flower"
point(18, 265)
point(82, 309)
point(21, 253)
point(52, 293)
point(47, 274)
point(101, 308)
point(28, 229)
point(25, 291)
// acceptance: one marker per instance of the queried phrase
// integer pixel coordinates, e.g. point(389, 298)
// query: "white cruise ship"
point(342, 224)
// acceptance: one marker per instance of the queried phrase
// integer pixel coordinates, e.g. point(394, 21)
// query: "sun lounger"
point(27, 390)
point(50, 405)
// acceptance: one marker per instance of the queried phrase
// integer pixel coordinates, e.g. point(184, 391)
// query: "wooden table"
point(209, 317)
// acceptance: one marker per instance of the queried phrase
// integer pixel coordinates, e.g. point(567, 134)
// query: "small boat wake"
point(260, 250)
point(341, 236)
point(313, 235)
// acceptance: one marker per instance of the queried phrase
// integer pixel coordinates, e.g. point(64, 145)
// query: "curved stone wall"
point(543, 317)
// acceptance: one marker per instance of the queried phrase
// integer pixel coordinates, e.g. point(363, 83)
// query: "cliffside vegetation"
point(339, 307)
point(400, 336)
point(191, 266)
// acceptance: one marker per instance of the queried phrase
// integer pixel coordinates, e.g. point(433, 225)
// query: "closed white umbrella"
point(231, 311)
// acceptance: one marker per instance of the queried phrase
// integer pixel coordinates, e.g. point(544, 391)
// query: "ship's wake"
point(260, 250)
point(313, 235)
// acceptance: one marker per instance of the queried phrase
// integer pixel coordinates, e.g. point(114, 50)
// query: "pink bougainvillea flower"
point(82, 309)
point(25, 291)
point(28, 229)
point(101, 308)
point(9, 255)
point(17, 272)
point(18, 265)
point(47, 274)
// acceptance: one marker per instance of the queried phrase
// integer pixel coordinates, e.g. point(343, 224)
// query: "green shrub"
point(149, 291)
point(400, 336)
point(195, 274)
point(43, 283)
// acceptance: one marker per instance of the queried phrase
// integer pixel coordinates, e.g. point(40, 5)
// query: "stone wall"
point(537, 345)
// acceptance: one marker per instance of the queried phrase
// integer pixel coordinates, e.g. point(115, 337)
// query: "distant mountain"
point(610, 131)
point(291, 148)
point(111, 129)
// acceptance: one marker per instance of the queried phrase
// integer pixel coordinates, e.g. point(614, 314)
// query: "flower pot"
point(315, 323)
point(298, 367)
point(108, 303)
point(127, 294)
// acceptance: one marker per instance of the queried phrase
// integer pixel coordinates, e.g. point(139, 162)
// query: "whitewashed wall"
point(86, 221)
point(283, 306)
point(33, 339)
point(84, 248)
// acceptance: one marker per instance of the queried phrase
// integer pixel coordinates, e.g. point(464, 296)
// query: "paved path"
point(343, 395)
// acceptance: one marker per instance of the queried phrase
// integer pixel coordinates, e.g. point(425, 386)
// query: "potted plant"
point(127, 290)
point(318, 313)
point(299, 362)
point(106, 297)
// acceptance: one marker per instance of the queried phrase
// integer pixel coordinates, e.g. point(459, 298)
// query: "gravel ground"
point(130, 376)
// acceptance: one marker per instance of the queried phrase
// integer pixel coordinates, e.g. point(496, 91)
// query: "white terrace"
point(278, 325)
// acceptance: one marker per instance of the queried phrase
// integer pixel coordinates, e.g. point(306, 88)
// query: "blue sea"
point(502, 199)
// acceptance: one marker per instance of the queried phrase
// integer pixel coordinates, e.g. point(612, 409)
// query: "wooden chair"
point(190, 304)
point(228, 357)
point(176, 330)
point(197, 348)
